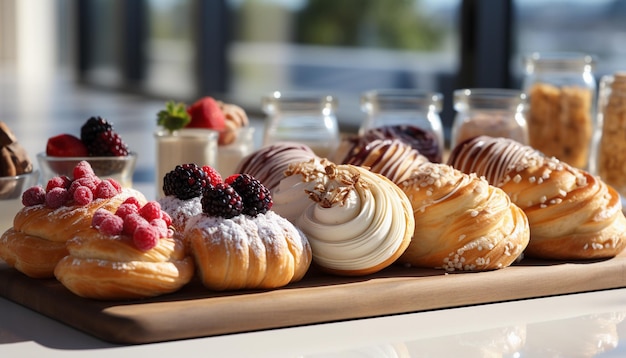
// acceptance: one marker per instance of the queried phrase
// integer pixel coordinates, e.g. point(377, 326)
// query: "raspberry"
point(83, 169)
point(115, 184)
point(167, 218)
point(93, 127)
point(89, 182)
point(111, 225)
point(82, 196)
point(99, 216)
point(134, 201)
point(35, 195)
point(105, 190)
point(146, 237)
point(56, 198)
point(126, 209)
point(151, 211)
point(107, 144)
point(221, 200)
point(186, 181)
point(161, 227)
point(59, 182)
point(256, 198)
point(212, 175)
point(132, 222)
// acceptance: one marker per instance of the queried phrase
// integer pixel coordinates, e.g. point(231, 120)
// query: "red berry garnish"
point(132, 222)
point(126, 209)
point(105, 190)
point(146, 237)
point(221, 200)
point(65, 145)
point(115, 184)
point(83, 196)
point(83, 169)
point(112, 225)
point(56, 198)
point(206, 113)
point(212, 174)
point(151, 211)
point(59, 182)
point(99, 216)
point(166, 217)
point(134, 201)
point(161, 227)
point(35, 195)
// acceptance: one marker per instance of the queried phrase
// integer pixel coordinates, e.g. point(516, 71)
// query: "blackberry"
point(257, 199)
point(92, 128)
point(107, 144)
point(186, 181)
point(221, 200)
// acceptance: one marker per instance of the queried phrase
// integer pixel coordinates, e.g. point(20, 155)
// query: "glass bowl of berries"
point(98, 144)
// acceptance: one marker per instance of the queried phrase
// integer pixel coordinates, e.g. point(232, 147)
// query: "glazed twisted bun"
point(245, 252)
point(358, 222)
point(572, 214)
point(269, 163)
point(54, 214)
point(391, 158)
point(461, 222)
point(111, 267)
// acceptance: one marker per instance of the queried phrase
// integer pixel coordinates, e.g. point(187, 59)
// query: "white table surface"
point(577, 325)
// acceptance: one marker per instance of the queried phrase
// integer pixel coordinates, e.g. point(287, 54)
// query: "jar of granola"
point(495, 112)
point(561, 91)
point(611, 144)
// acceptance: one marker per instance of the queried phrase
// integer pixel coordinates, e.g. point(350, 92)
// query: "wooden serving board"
point(196, 312)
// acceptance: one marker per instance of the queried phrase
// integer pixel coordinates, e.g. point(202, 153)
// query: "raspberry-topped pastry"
point(238, 242)
point(127, 254)
point(54, 214)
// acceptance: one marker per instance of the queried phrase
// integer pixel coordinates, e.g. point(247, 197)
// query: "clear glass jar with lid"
point(304, 117)
point(405, 107)
point(495, 112)
point(610, 146)
point(561, 91)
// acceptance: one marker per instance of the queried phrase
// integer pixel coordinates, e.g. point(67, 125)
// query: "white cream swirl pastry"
point(357, 222)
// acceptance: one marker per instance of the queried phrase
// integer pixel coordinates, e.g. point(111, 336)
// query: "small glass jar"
point(493, 112)
point(413, 107)
point(561, 91)
point(306, 118)
point(610, 148)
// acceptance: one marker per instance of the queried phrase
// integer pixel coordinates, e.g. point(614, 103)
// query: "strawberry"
point(206, 113)
point(65, 145)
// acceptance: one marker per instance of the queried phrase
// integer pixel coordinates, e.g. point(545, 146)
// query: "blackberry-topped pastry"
point(238, 242)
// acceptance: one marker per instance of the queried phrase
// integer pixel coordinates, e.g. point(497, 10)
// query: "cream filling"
point(364, 232)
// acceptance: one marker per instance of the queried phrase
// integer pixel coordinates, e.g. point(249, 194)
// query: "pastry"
point(391, 158)
point(239, 243)
point(358, 222)
point(572, 214)
point(55, 214)
point(13, 157)
point(268, 164)
point(127, 255)
point(461, 222)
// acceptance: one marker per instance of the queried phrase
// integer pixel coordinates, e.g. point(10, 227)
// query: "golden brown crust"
point(462, 222)
point(248, 253)
point(31, 255)
point(112, 268)
point(44, 231)
point(572, 214)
